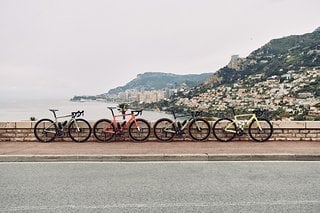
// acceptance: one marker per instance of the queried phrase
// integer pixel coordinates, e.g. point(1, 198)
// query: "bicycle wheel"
point(164, 129)
point(220, 131)
point(139, 130)
point(104, 130)
point(45, 130)
point(199, 129)
point(79, 130)
point(263, 133)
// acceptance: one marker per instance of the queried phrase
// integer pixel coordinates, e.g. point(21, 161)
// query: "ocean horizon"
point(22, 110)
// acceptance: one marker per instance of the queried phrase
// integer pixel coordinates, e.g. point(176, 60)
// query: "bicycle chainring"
point(240, 132)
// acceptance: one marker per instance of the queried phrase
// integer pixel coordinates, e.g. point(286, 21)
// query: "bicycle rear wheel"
point(79, 130)
point(199, 129)
point(164, 129)
point(139, 130)
point(261, 132)
point(104, 130)
point(224, 129)
point(45, 130)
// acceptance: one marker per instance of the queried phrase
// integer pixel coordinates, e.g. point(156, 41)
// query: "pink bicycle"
point(139, 129)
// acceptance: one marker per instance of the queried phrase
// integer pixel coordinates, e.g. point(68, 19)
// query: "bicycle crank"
point(240, 132)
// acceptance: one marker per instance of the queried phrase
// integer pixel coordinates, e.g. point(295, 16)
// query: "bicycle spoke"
point(164, 129)
point(260, 131)
point(199, 129)
point(79, 130)
point(104, 130)
point(45, 130)
point(224, 130)
point(139, 130)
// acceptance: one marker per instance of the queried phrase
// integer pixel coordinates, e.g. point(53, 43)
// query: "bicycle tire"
point(219, 130)
point(84, 133)
point(104, 130)
point(255, 132)
point(160, 125)
point(40, 130)
point(139, 130)
point(199, 134)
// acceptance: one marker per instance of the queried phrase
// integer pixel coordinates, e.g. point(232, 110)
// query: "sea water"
point(23, 110)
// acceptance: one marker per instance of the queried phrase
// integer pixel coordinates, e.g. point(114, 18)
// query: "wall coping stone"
point(276, 124)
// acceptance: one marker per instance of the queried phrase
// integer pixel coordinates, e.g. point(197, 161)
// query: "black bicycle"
point(78, 129)
point(199, 129)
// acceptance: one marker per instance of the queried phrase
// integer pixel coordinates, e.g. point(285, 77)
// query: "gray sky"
point(60, 48)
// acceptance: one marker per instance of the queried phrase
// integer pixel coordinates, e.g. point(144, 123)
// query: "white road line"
point(157, 162)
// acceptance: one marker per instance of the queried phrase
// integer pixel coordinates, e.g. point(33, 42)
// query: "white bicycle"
point(78, 129)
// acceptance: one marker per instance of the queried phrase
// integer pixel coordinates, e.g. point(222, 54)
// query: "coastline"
point(23, 110)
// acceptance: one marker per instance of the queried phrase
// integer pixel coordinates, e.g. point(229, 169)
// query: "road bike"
point(260, 130)
point(79, 130)
point(199, 129)
point(139, 129)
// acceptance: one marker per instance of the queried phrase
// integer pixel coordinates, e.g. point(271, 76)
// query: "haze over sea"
point(23, 110)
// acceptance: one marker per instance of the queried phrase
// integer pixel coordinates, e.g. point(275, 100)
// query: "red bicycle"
point(139, 129)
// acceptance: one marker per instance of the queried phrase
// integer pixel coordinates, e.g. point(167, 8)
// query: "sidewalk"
point(157, 151)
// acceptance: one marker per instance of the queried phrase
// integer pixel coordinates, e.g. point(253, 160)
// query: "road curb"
point(159, 157)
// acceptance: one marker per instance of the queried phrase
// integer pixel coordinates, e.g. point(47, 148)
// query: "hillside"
point(282, 76)
point(148, 87)
point(275, 58)
point(157, 81)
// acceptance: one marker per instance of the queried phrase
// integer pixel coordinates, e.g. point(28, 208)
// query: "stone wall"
point(283, 131)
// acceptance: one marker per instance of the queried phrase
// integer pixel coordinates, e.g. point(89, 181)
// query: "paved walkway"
point(201, 150)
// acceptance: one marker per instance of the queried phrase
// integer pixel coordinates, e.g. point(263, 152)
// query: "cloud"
point(64, 48)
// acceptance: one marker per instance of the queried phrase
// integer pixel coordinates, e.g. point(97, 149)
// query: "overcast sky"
point(60, 48)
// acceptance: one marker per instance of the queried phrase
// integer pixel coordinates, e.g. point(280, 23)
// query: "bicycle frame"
point(122, 127)
point(241, 124)
point(176, 121)
point(56, 122)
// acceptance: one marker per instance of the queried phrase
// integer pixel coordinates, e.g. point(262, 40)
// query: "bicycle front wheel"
point(199, 129)
point(45, 130)
point(224, 129)
point(164, 129)
point(79, 130)
point(139, 130)
point(104, 130)
point(261, 130)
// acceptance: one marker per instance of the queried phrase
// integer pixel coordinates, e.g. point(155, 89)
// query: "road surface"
point(160, 187)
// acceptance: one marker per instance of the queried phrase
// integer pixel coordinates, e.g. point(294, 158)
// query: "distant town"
point(284, 93)
point(282, 76)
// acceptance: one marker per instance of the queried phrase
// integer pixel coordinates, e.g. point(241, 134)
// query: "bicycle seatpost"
point(54, 112)
point(174, 115)
point(110, 108)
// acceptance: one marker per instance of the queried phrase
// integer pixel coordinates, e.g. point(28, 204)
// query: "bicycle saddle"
point(53, 110)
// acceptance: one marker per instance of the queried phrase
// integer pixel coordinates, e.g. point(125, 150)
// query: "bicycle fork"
point(77, 126)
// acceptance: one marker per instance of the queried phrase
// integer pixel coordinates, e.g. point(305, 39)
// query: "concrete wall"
point(283, 131)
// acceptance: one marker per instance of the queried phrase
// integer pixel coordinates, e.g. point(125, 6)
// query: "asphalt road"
point(160, 187)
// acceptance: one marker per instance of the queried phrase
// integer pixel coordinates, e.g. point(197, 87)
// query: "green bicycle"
point(259, 130)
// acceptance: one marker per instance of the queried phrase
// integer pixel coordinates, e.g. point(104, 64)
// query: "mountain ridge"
point(282, 75)
point(291, 52)
point(160, 80)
